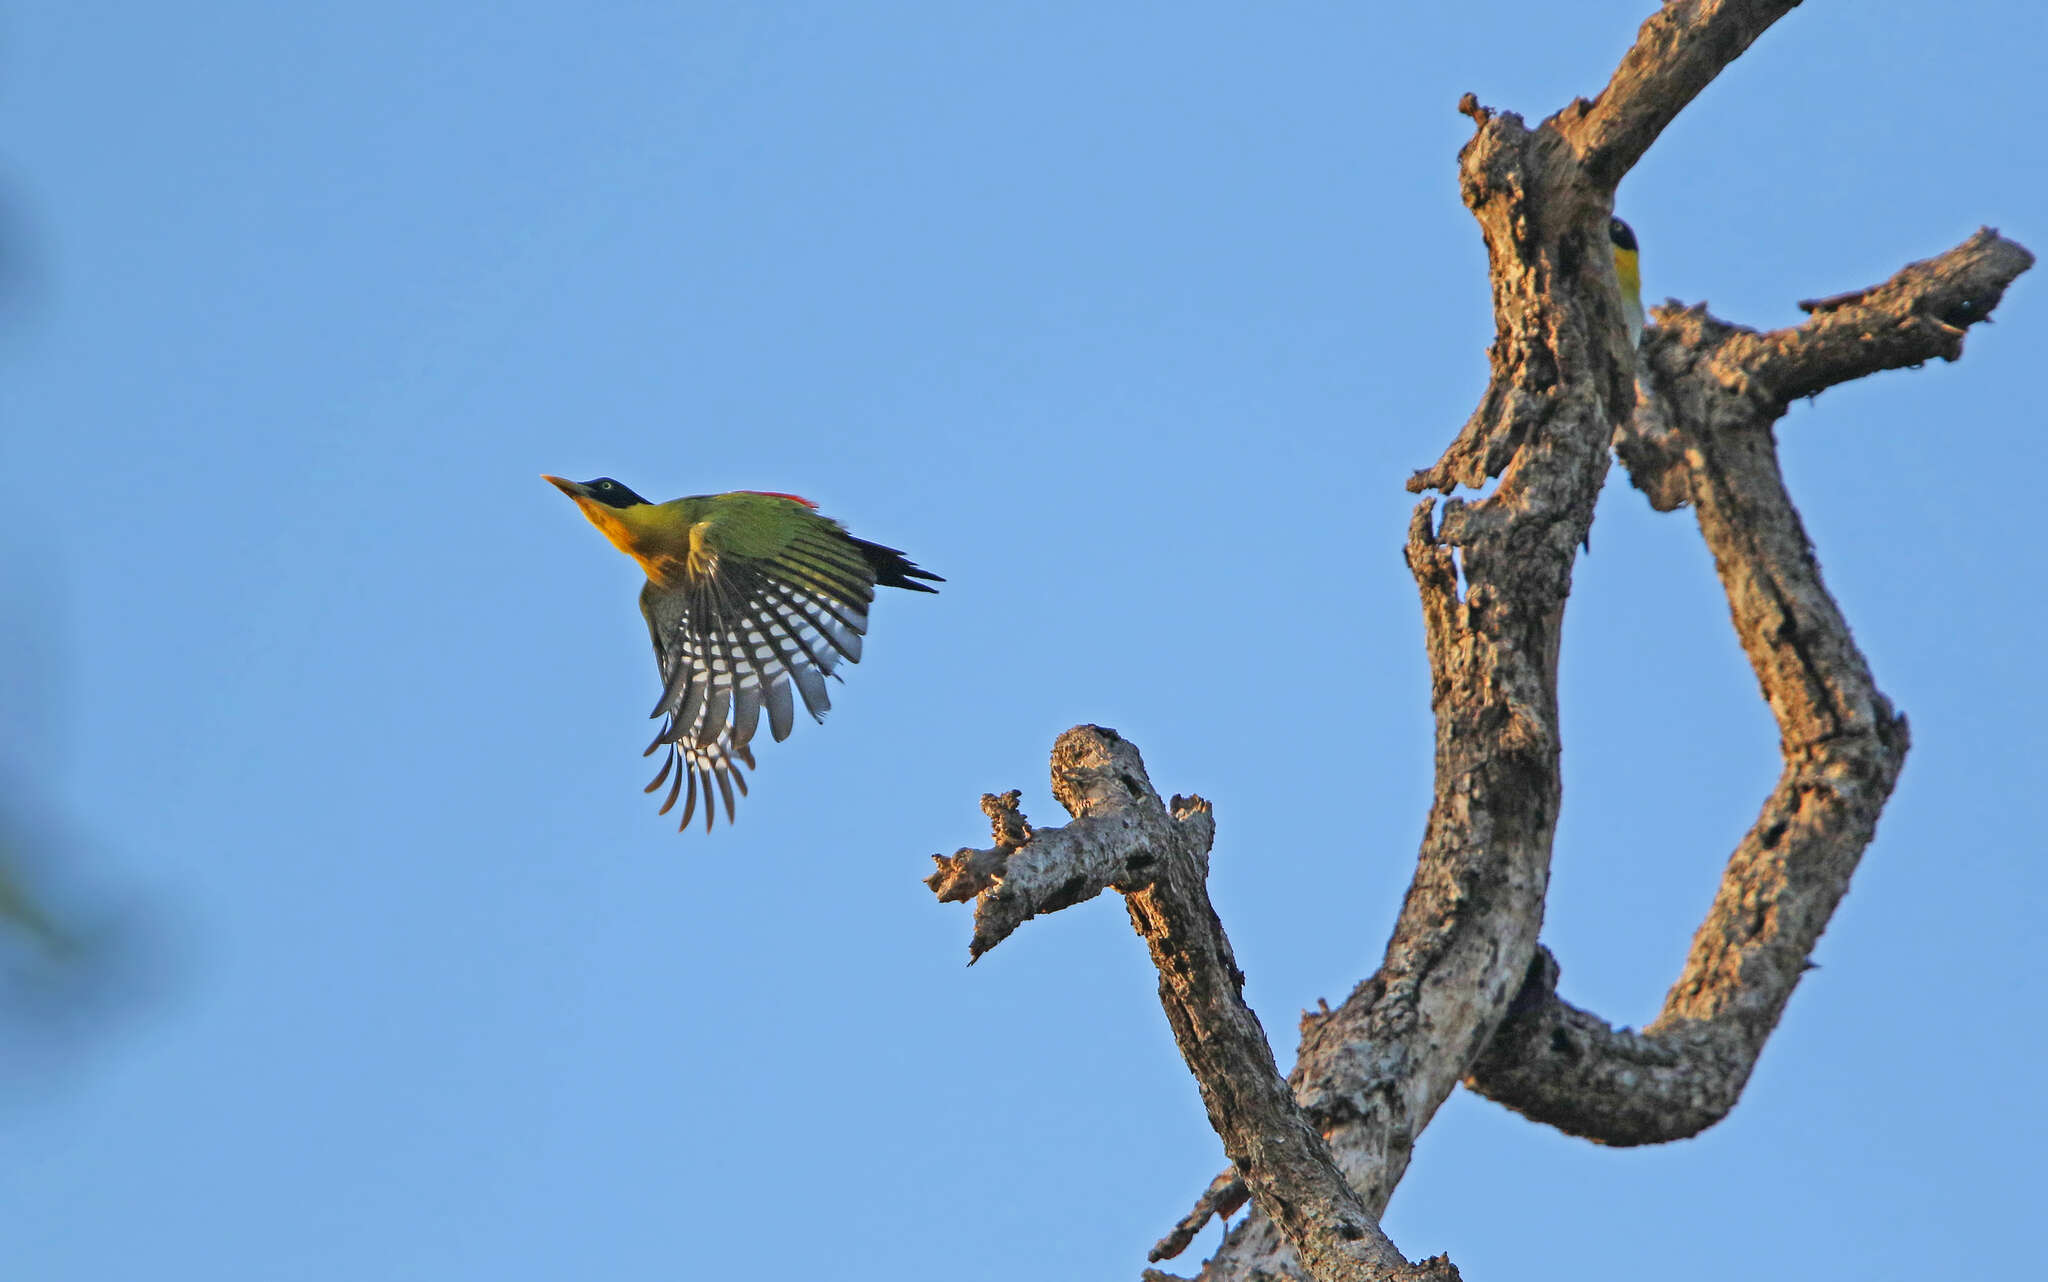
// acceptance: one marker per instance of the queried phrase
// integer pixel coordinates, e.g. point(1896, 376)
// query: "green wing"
point(738, 638)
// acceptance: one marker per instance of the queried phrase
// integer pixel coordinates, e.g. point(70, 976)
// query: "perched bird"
point(1627, 270)
point(747, 594)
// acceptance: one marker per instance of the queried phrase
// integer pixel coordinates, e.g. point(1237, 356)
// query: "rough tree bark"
point(1464, 991)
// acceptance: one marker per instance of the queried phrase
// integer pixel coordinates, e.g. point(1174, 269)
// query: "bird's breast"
point(664, 549)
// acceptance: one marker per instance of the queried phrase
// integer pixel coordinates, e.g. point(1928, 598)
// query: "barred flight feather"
point(734, 643)
point(719, 763)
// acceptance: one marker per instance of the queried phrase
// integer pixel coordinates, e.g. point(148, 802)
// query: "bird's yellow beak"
point(569, 488)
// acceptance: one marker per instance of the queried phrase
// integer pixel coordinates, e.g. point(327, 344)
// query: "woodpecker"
point(747, 594)
point(1627, 271)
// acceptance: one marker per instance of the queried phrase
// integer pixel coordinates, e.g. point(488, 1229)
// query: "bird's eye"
point(604, 485)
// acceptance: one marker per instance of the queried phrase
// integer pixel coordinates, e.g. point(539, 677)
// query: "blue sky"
point(1131, 321)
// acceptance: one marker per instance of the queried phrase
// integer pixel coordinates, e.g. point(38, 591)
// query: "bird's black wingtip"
point(894, 570)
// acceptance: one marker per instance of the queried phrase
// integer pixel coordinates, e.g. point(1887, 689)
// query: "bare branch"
point(1114, 841)
point(1649, 444)
point(1710, 397)
point(1919, 315)
point(1223, 1196)
point(1282, 1159)
point(970, 872)
point(1843, 747)
point(1559, 353)
point(1373, 1072)
point(1631, 1088)
point(1542, 198)
point(1916, 316)
point(1463, 988)
point(1678, 51)
point(1704, 424)
point(1558, 379)
point(1157, 855)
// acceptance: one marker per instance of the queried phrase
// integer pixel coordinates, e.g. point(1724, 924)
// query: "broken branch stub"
point(1120, 829)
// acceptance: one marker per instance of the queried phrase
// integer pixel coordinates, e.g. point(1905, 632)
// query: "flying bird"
point(748, 594)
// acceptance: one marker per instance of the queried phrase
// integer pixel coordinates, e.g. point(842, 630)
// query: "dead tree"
point(1466, 992)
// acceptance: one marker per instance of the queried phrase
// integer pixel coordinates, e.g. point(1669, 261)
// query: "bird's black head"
point(611, 493)
point(1620, 233)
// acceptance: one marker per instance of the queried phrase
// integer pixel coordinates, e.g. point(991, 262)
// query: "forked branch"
point(1464, 991)
point(1712, 393)
point(1156, 854)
